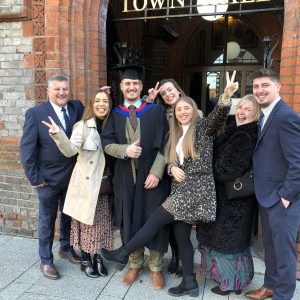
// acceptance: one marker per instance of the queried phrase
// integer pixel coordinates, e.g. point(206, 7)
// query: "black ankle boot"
point(86, 266)
point(118, 256)
point(188, 285)
point(99, 265)
point(218, 291)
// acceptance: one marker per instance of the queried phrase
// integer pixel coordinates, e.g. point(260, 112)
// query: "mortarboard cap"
point(131, 72)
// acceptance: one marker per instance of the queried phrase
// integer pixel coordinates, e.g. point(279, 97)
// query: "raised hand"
point(105, 89)
point(152, 93)
point(53, 128)
point(231, 86)
point(134, 150)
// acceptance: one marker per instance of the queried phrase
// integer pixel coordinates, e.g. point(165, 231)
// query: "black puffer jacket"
point(231, 233)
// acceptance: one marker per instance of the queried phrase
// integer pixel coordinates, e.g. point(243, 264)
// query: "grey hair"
point(57, 77)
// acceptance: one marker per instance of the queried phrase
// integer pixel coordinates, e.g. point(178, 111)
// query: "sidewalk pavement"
point(20, 278)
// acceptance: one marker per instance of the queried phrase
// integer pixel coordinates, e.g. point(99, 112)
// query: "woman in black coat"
point(224, 244)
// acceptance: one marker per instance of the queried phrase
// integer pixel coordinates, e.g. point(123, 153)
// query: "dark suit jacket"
point(276, 159)
point(41, 159)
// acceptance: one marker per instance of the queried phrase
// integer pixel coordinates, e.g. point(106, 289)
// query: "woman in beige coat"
point(91, 227)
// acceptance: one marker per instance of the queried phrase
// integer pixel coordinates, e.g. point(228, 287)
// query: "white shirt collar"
point(57, 108)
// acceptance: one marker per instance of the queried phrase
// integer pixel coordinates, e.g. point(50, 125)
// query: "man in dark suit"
point(50, 171)
point(276, 166)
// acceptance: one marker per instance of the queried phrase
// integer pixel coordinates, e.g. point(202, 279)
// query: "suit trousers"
point(50, 199)
point(136, 260)
point(279, 227)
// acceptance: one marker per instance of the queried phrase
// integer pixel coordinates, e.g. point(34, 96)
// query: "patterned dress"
point(195, 198)
point(91, 238)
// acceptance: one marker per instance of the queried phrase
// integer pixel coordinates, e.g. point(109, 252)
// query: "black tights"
point(182, 231)
point(85, 256)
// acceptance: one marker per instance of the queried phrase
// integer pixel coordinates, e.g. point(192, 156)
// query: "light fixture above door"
point(212, 6)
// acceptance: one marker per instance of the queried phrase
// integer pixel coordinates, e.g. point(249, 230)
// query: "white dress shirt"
point(267, 111)
point(179, 150)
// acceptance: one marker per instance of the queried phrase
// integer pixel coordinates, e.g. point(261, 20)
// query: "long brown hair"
point(176, 85)
point(175, 133)
point(88, 112)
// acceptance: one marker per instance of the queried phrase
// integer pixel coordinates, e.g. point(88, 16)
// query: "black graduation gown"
point(134, 204)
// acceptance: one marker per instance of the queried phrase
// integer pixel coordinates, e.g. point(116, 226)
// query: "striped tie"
point(67, 122)
point(261, 121)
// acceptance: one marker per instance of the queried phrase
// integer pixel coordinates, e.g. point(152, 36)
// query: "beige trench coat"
point(85, 182)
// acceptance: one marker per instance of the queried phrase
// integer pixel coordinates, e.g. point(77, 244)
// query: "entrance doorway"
point(196, 52)
point(205, 84)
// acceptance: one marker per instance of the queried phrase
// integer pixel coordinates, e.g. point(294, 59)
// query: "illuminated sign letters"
point(140, 5)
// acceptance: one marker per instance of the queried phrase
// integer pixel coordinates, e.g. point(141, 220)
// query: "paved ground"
point(20, 278)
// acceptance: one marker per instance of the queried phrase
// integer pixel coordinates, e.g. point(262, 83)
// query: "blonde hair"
point(88, 112)
point(176, 132)
point(256, 107)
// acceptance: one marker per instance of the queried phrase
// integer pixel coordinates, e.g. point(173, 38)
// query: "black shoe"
point(99, 265)
point(218, 291)
point(86, 266)
point(118, 256)
point(188, 285)
point(70, 255)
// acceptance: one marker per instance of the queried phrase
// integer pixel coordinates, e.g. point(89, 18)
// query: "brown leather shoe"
point(158, 281)
point(131, 275)
point(260, 294)
point(49, 271)
point(70, 255)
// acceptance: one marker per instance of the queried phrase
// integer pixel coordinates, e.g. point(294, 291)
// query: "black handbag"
point(106, 185)
point(242, 186)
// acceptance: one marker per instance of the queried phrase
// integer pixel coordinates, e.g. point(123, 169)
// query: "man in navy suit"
point(276, 167)
point(50, 171)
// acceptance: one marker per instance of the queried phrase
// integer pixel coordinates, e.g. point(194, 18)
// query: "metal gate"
point(164, 9)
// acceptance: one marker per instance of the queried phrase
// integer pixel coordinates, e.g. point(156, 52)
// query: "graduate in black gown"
point(141, 183)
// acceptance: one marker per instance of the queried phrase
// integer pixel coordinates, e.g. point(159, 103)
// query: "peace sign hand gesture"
point(231, 86)
point(152, 93)
point(53, 128)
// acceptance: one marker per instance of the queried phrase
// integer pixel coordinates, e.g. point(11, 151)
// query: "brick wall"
point(58, 37)
point(17, 199)
point(14, 78)
point(18, 204)
point(11, 7)
point(290, 68)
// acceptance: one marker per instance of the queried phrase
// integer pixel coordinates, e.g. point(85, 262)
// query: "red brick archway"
point(76, 34)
